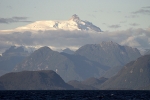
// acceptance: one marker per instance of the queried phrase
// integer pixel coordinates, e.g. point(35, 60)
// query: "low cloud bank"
point(138, 38)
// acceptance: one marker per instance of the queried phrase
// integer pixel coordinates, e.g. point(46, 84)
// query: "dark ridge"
point(34, 80)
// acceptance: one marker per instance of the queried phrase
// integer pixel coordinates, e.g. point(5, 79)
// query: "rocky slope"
point(134, 75)
point(109, 54)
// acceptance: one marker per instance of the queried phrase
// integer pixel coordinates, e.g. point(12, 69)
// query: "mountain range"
point(105, 66)
point(77, 68)
point(11, 57)
point(88, 61)
point(109, 53)
point(133, 76)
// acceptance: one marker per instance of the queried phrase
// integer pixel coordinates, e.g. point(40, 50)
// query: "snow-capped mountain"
point(74, 23)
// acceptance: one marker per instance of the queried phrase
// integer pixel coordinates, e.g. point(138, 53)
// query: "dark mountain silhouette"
point(134, 75)
point(33, 80)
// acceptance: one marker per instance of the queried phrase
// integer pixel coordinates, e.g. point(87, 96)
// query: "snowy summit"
point(74, 23)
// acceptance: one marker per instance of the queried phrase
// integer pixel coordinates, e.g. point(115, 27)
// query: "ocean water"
point(75, 95)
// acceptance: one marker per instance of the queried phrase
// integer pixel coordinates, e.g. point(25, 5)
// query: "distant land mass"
point(33, 80)
point(91, 60)
point(134, 75)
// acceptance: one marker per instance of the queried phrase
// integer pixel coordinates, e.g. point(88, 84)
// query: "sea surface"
point(75, 95)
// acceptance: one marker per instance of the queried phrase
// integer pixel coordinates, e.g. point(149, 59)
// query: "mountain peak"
point(75, 17)
point(75, 23)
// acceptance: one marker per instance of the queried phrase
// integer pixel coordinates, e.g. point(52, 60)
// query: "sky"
point(106, 14)
point(126, 22)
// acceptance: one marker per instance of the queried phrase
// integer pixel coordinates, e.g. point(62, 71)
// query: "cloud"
point(146, 7)
point(132, 16)
point(123, 22)
point(114, 26)
point(141, 40)
point(142, 11)
point(91, 15)
point(9, 7)
point(95, 11)
point(138, 38)
point(13, 20)
point(134, 24)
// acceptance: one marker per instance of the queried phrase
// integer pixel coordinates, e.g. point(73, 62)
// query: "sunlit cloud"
point(146, 7)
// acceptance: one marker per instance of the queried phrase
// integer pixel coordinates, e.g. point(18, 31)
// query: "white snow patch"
point(73, 24)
